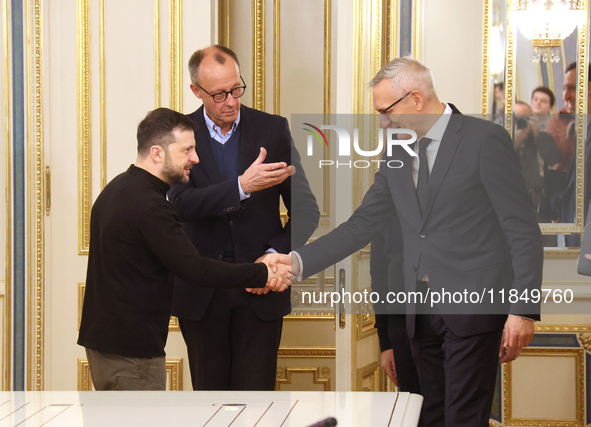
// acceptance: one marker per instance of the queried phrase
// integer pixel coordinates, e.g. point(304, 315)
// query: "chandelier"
point(547, 23)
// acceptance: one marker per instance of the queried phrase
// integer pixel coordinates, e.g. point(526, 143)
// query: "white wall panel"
point(452, 48)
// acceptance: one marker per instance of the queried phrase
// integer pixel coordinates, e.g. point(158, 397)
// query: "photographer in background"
point(536, 150)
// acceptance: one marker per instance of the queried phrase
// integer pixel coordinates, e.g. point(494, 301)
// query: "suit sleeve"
point(193, 203)
point(161, 230)
point(302, 209)
point(503, 181)
point(547, 148)
point(376, 209)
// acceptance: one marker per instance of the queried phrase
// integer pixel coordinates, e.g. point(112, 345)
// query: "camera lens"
point(521, 123)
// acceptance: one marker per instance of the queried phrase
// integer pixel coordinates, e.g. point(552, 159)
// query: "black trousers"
point(457, 374)
point(230, 348)
point(406, 371)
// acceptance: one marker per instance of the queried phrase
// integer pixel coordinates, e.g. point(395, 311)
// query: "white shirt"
point(435, 134)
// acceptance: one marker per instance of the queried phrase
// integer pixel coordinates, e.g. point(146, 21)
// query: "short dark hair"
point(573, 66)
point(158, 128)
point(547, 91)
point(197, 57)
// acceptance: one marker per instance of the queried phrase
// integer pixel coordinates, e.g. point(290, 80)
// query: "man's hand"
point(261, 175)
point(295, 267)
point(279, 279)
point(389, 366)
point(518, 333)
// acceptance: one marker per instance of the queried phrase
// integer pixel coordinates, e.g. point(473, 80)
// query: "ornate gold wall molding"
point(176, 54)
point(307, 352)
point(157, 58)
point(173, 324)
point(300, 317)
point(364, 321)
point(84, 125)
point(509, 76)
point(560, 253)
point(562, 328)
point(487, 15)
point(102, 94)
point(285, 376)
point(224, 22)
point(579, 356)
point(258, 59)
point(174, 371)
point(34, 194)
point(8, 99)
point(369, 373)
point(416, 29)
point(581, 122)
point(84, 380)
point(277, 56)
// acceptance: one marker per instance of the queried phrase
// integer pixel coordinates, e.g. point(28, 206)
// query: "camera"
point(522, 123)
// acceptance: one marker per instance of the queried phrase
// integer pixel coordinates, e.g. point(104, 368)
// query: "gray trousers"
point(114, 372)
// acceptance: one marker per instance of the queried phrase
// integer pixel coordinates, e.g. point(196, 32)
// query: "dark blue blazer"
point(478, 232)
point(214, 217)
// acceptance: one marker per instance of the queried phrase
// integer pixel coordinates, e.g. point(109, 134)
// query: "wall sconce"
point(547, 23)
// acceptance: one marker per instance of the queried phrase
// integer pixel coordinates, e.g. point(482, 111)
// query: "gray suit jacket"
point(478, 233)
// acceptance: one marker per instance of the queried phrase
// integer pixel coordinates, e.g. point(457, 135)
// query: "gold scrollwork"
point(486, 55)
point(309, 352)
point(176, 54)
point(84, 126)
point(259, 54)
point(509, 72)
point(563, 328)
point(34, 103)
point(579, 356)
point(585, 341)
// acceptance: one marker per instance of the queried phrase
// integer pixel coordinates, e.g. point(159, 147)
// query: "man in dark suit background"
point(467, 224)
point(231, 210)
point(386, 265)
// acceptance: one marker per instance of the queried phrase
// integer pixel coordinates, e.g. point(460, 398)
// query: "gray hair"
point(218, 52)
point(406, 74)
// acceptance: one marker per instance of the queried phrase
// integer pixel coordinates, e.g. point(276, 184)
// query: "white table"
point(211, 409)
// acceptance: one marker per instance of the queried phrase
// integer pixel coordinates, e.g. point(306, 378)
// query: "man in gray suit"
point(468, 225)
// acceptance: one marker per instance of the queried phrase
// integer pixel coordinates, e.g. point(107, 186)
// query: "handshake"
point(279, 273)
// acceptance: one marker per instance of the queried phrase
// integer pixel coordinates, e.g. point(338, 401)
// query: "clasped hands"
point(279, 278)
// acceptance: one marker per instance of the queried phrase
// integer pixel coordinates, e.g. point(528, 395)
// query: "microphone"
point(327, 422)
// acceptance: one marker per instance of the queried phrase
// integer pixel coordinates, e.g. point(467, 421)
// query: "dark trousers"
point(406, 371)
point(457, 374)
point(230, 348)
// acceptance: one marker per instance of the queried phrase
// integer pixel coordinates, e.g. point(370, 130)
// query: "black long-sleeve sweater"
point(136, 243)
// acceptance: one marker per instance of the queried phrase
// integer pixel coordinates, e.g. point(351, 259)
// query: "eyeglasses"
point(237, 92)
point(385, 110)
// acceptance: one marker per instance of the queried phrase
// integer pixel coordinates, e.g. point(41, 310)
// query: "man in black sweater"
point(136, 243)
